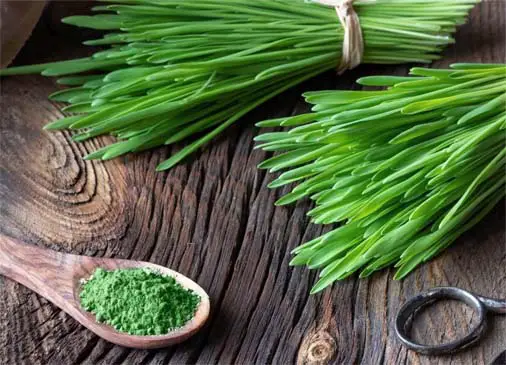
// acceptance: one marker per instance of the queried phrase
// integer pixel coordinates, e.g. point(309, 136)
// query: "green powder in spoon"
point(138, 301)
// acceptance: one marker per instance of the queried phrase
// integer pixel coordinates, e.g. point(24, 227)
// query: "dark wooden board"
point(213, 219)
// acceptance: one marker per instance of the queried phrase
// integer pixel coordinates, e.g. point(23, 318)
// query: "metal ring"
point(405, 316)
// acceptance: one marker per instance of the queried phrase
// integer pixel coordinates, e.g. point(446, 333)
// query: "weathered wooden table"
point(213, 219)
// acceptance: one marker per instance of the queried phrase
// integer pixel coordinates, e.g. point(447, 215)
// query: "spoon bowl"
point(58, 277)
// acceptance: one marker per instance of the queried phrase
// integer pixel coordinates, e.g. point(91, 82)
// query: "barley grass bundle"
point(174, 69)
point(406, 170)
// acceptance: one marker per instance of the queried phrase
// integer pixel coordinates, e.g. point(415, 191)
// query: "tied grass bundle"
point(407, 169)
point(176, 68)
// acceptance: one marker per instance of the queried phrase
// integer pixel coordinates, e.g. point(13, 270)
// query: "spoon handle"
point(47, 272)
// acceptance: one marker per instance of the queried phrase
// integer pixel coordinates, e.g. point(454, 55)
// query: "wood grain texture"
point(213, 220)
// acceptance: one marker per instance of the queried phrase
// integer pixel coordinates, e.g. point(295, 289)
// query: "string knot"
point(353, 42)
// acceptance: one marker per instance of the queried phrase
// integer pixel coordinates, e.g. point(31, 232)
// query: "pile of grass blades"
point(175, 69)
point(407, 169)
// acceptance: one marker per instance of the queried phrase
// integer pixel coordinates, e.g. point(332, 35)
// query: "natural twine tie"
point(353, 42)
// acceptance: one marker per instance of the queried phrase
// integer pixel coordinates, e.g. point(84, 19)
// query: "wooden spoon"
point(57, 277)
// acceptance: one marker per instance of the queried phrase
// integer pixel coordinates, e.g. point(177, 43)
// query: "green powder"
point(138, 301)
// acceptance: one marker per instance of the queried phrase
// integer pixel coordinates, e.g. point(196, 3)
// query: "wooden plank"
point(213, 219)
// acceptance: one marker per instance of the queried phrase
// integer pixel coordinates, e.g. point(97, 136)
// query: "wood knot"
point(318, 348)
